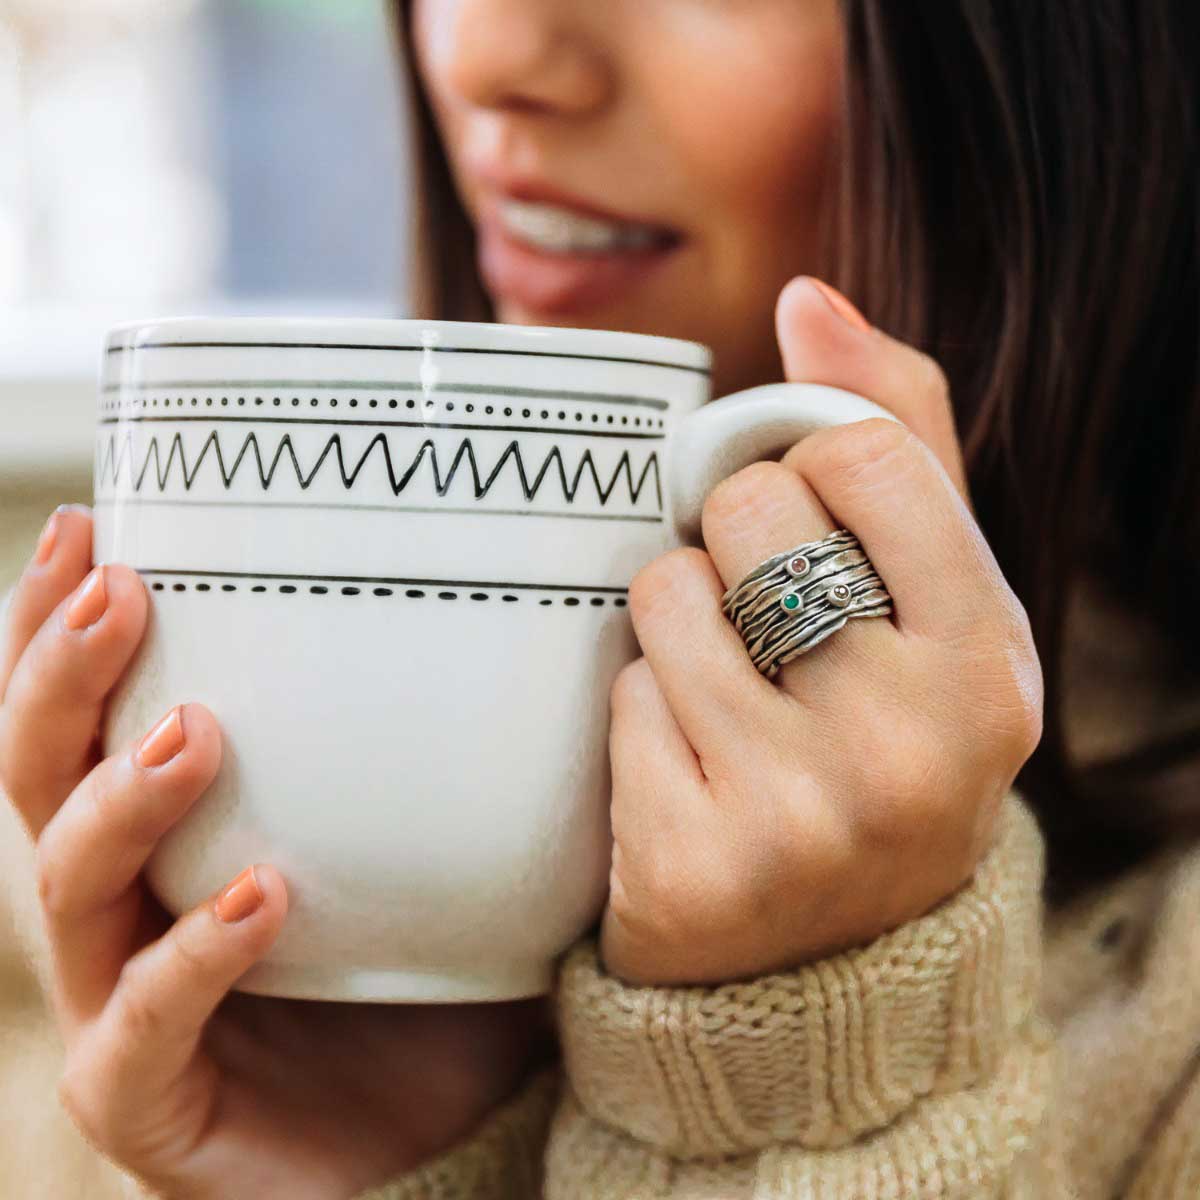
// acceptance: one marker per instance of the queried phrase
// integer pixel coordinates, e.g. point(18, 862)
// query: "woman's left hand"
point(758, 824)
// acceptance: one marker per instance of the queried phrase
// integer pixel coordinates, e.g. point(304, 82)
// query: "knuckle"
point(656, 587)
point(634, 947)
point(854, 454)
point(1020, 712)
point(630, 685)
point(6, 774)
point(748, 498)
point(83, 1102)
point(188, 958)
point(11, 782)
point(53, 897)
point(658, 910)
point(1008, 688)
point(71, 1097)
point(125, 621)
point(140, 1016)
point(1030, 730)
point(933, 379)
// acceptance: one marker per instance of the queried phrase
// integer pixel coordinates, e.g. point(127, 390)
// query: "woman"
point(818, 970)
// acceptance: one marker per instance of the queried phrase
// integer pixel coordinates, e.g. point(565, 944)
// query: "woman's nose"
point(528, 55)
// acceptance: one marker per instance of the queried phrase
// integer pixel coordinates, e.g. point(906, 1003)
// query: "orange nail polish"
point(241, 898)
point(840, 304)
point(163, 742)
point(89, 602)
point(45, 546)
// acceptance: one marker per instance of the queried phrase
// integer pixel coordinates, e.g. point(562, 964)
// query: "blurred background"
point(178, 157)
point(159, 158)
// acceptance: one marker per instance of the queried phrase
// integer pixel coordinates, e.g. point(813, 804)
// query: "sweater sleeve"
point(913, 1066)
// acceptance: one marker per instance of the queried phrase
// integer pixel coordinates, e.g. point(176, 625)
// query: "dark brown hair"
point(1018, 197)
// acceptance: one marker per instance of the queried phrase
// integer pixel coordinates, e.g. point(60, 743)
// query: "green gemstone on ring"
point(791, 602)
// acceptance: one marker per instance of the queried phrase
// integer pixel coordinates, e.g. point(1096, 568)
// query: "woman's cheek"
point(746, 109)
point(748, 95)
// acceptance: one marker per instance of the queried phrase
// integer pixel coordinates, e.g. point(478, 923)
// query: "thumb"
point(824, 339)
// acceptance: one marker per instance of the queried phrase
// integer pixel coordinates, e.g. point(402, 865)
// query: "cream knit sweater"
point(986, 1050)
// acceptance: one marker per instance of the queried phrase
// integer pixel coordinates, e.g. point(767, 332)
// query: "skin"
point(757, 824)
point(718, 118)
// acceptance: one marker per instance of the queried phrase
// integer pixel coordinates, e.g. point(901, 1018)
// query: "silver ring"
point(795, 600)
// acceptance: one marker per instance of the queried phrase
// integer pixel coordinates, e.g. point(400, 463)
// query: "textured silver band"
point(794, 600)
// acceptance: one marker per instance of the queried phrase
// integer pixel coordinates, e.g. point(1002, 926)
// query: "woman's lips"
point(556, 283)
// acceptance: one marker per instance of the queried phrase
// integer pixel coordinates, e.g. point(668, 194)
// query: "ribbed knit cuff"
point(819, 1056)
point(502, 1161)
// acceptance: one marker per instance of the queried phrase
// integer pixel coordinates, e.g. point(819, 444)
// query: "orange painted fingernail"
point(163, 742)
point(241, 898)
point(45, 546)
point(89, 602)
point(839, 303)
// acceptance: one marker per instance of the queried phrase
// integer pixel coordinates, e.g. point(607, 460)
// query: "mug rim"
point(409, 333)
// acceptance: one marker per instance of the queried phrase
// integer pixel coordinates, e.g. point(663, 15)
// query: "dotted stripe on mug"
point(139, 407)
point(435, 590)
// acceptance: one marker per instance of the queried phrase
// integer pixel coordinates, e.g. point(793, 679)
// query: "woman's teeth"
point(560, 231)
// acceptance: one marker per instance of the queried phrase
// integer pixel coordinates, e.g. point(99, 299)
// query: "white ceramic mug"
point(392, 557)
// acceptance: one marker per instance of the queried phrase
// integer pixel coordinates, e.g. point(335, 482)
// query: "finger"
point(824, 339)
point(645, 742)
point(54, 700)
point(762, 511)
point(659, 800)
point(60, 561)
point(696, 655)
point(91, 852)
point(879, 480)
point(144, 1045)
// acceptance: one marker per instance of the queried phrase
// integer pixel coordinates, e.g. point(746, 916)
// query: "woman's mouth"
point(554, 259)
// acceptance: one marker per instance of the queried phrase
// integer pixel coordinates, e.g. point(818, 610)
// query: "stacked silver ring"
point(793, 601)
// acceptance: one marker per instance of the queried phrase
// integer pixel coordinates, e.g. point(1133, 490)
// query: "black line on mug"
point(368, 385)
point(640, 362)
point(384, 581)
point(106, 501)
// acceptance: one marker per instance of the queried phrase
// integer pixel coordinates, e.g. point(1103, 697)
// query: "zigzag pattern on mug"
point(112, 460)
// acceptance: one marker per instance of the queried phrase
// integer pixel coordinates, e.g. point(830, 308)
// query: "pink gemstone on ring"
point(798, 566)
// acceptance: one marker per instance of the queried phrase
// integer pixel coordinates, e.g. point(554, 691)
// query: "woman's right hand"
point(199, 1092)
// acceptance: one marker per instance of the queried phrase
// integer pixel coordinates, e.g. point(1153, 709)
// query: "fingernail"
point(45, 546)
point(241, 898)
point(163, 742)
point(89, 602)
point(839, 303)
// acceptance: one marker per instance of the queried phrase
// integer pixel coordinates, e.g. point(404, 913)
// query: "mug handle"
point(726, 435)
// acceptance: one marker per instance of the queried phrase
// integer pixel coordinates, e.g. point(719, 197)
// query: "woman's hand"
point(199, 1092)
point(757, 823)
